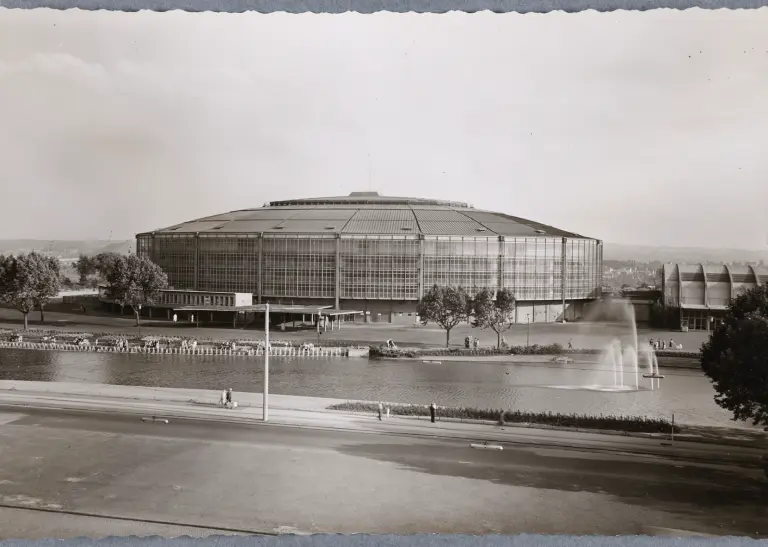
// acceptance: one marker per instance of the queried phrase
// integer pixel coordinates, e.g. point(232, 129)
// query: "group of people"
point(391, 344)
point(662, 344)
point(188, 344)
point(226, 399)
point(471, 342)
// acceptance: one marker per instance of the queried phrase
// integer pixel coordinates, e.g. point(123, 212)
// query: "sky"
point(645, 128)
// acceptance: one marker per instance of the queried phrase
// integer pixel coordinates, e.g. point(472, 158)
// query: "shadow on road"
point(731, 498)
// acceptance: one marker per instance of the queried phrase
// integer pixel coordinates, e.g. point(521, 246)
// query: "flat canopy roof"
point(273, 308)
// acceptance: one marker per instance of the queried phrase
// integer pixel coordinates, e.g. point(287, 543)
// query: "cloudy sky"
point(646, 128)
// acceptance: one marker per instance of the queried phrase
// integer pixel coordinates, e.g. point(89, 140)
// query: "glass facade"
point(228, 263)
point(470, 262)
point(375, 266)
point(583, 269)
point(299, 266)
point(379, 267)
point(533, 268)
point(175, 254)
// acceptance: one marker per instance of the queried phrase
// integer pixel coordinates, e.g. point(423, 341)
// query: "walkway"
point(312, 412)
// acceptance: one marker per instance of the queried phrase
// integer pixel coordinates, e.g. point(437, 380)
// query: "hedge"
point(633, 424)
point(551, 349)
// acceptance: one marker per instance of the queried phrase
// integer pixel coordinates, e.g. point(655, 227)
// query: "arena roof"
point(368, 213)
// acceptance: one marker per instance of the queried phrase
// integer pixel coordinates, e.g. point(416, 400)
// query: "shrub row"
point(550, 349)
point(134, 338)
point(629, 424)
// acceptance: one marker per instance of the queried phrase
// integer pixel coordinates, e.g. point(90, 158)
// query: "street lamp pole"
point(138, 321)
point(265, 402)
point(528, 335)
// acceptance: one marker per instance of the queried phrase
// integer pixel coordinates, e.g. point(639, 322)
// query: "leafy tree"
point(103, 263)
point(134, 281)
point(735, 358)
point(446, 306)
point(27, 281)
point(47, 282)
point(496, 314)
point(85, 266)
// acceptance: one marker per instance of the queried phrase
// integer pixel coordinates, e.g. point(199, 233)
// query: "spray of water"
point(628, 359)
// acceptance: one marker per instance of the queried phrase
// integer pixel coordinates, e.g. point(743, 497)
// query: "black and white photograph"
point(391, 273)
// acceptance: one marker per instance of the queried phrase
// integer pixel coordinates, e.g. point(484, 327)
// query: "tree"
point(496, 314)
point(85, 266)
point(47, 281)
point(135, 281)
point(27, 281)
point(446, 306)
point(103, 263)
point(735, 358)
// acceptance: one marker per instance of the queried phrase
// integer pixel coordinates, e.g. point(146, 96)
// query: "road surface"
point(70, 468)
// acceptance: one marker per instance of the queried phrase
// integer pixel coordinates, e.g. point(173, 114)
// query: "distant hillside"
point(642, 253)
point(64, 249)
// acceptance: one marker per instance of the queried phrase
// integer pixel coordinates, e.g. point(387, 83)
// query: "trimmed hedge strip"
point(630, 424)
point(550, 349)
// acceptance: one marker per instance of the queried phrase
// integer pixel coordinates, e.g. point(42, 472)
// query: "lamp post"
point(265, 402)
point(528, 335)
point(138, 321)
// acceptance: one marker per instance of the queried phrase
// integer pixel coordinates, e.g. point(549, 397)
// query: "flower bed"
point(551, 349)
point(630, 424)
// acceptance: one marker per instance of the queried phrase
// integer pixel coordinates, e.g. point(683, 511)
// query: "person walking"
point(432, 412)
point(381, 411)
point(229, 397)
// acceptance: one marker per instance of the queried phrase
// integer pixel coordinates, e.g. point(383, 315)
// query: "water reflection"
point(686, 393)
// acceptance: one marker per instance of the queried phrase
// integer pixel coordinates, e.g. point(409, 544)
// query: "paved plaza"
point(581, 335)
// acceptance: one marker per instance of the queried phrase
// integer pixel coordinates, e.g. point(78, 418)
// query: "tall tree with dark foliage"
point(736, 357)
point(446, 306)
point(29, 281)
point(497, 314)
point(135, 281)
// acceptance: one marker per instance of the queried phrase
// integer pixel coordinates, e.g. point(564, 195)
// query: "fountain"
point(625, 361)
point(628, 359)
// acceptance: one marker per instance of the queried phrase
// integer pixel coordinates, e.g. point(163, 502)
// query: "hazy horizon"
point(637, 128)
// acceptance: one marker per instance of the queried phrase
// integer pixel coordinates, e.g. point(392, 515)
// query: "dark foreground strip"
point(132, 519)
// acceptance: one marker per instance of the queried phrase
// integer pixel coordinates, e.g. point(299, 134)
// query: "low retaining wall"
point(275, 351)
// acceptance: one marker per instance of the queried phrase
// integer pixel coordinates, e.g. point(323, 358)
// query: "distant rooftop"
point(367, 198)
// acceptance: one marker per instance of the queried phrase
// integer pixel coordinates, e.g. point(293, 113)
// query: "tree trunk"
point(26, 323)
point(138, 318)
point(498, 340)
point(447, 337)
point(42, 316)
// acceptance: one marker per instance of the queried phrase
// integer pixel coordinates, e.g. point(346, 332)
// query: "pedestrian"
point(175, 317)
point(381, 411)
point(229, 396)
point(223, 400)
point(570, 345)
point(432, 412)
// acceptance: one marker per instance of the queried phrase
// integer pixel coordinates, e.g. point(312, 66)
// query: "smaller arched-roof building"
point(703, 291)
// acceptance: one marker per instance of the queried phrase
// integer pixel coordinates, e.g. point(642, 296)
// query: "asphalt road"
point(66, 474)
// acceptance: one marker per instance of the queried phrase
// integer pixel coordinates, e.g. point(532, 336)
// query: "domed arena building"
point(377, 255)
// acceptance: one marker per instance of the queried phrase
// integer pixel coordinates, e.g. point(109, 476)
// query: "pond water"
point(541, 386)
